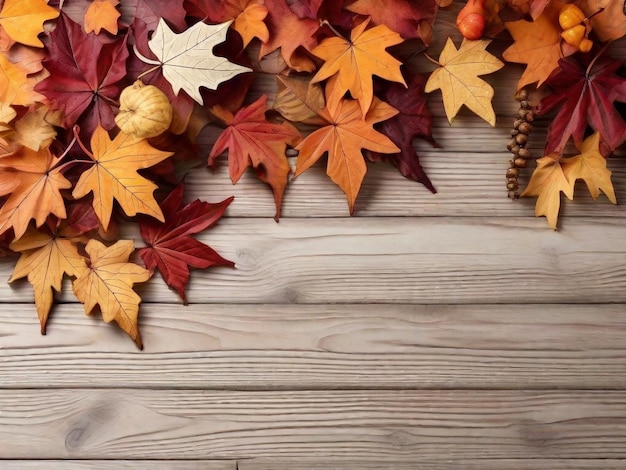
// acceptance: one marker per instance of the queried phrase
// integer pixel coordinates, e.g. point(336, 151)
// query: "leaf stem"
point(430, 59)
point(80, 143)
point(332, 28)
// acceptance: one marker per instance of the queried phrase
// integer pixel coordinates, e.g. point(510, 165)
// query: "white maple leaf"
point(187, 58)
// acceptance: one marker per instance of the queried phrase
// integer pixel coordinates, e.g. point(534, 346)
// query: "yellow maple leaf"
point(23, 20)
point(35, 129)
point(547, 183)
point(108, 282)
point(555, 174)
point(16, 86)
point(590, 166)
point(102, 14)
point(457, 77)
point(352, 63)
point(45, 260)
point(114, 176)
point(34, 185)
point(537, 44)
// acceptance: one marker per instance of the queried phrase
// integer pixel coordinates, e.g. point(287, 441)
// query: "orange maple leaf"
point(353, 63)
point(253, 140)
point(45, 260)
point(23, 20)
point(249, 21)
point(343, 138)
point(537, 44)
point(108, 282)
point(114, 176)
point(102, 14)
point(36, 184)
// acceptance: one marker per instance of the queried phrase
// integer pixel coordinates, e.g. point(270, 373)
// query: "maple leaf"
point(289, 32)
point(45, 259)
point(537, 44)
point(114, 176)
point(253, 141)
point(555, 174)
point(413, 120)
point(353, 63)
point(343, 138)
point(584, 94)
point(34, 182)
point(85, 76)
point(182, 103)
point(321, 9)
point(102, 14)
point(187, 58)
point(108, 282)
point(402, 16)
point(171, 248)
point(590, 166)
point(16, 86)
point(547, 183)
point(458, 78)
point(23, 20)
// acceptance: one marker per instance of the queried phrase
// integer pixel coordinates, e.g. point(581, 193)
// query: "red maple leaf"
point(584, 94)
point(289, 32)
point(85, 76)
point(414, 120)
point(254, 141)
point(171, 248)
point(323, 9)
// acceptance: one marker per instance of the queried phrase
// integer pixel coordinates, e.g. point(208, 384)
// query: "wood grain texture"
point(360, 425)
point(286, 347)
point(118, 464)
point(401, 260)
point(442, 464)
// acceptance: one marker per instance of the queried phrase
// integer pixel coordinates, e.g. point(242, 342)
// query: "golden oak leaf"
point(45, 260)
point(353, 63)
point(102, 14)
point(35, 129)
point(16, 86)
point(36, 189)
point(343, 138)
point(7, 114)
point(299, 100)
point(114, 176)
point(249, 23)
point(458, 78)
point(23, 20)
point(590, 166)
point(547, 182)
point(537, 44)
point(108, 282)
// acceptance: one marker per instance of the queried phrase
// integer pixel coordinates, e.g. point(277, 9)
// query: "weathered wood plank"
point(442, 464)
point(360, 425)
point(118, 464)
point(471, 184)
point(322, 347)
point(402, 260)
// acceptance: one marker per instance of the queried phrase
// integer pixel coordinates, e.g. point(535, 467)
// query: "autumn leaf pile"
point(102, 103)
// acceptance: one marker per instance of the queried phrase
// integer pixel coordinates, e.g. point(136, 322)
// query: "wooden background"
point(447, 331)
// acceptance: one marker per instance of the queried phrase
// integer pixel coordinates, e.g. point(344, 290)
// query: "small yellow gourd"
point(145, 111)
point(570, 15)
